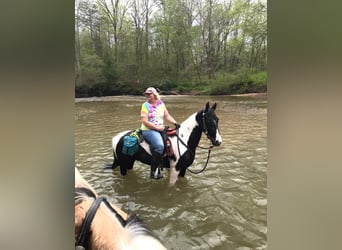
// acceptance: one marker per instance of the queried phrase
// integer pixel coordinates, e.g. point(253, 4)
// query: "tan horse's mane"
point(106, 230)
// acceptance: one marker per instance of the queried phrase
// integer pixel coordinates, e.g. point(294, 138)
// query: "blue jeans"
point(154, 139)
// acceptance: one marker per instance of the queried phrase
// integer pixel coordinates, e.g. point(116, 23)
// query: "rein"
point(206, 164)
point(83, 238)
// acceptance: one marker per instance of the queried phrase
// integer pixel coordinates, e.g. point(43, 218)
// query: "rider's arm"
point(169, 118)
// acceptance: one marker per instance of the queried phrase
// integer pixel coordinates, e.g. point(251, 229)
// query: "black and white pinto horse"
point(184, 144)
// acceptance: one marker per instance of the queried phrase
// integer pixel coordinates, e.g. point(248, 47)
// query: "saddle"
point(166, 134)
point(131, 142)
point(170, 131)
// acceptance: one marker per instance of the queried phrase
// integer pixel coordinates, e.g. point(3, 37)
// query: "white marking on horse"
point(218, 137)
point(116, 140)
point(185, 131)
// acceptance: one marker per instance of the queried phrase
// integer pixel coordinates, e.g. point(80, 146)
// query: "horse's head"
point(102, 225)
point(210, 124)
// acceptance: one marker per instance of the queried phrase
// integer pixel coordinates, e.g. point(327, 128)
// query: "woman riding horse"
point(183, 144)
point(153, 112)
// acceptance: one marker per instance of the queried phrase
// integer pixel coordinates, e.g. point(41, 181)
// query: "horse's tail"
point(116, 161)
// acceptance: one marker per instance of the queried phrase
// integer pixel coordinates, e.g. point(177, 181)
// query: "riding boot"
point(155, 166)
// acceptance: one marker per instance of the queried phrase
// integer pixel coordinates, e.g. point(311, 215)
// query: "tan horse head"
point(107, 231)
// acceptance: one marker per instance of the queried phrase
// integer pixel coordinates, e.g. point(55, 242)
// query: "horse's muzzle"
point(217, 141)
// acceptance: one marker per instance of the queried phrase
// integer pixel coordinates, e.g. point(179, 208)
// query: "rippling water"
point(222, 208)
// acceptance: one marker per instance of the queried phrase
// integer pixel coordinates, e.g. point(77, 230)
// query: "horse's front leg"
point(173, 174)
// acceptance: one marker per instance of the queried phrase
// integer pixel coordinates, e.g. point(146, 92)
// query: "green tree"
point(169, 43)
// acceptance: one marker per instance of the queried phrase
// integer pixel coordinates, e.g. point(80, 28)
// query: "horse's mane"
point(190, 120)
point(188, 125)
point(135, 225)
point(82, 193)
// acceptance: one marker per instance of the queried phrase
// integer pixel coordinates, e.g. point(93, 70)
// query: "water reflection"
point(222, 208)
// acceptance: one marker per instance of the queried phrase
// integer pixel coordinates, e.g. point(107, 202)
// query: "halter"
point(83, 238)
point(205, 130)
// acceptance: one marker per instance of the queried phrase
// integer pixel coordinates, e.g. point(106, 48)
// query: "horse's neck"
point(190, 131)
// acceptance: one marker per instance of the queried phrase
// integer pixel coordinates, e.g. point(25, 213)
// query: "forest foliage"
point(180, 46)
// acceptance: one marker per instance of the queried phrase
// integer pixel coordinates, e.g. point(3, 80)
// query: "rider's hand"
point(177, 126)
point(161, 128)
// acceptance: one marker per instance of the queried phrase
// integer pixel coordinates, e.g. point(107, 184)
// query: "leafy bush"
point(82, 91)
point(244, 82)
point(169, 85)
point(257, 82)
point(259, 77)
point(92, 69)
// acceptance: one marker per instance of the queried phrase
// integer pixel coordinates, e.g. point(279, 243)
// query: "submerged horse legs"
point(173, 175)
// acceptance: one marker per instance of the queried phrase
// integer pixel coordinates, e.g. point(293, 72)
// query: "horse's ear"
point(206, 107)
point(214, 106)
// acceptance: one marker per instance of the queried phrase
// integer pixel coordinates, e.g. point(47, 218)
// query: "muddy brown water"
point(224, 207)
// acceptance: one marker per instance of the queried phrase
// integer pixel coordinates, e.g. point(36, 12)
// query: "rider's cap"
point(151, 90)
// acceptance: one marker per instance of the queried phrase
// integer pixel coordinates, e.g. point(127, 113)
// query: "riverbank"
point(251, 94)
point(128, 97)
point(247, 83)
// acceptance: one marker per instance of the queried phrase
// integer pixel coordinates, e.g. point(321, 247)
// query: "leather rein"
point(85, 232)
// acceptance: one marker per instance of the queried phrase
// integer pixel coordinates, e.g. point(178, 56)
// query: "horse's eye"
point(213, 123)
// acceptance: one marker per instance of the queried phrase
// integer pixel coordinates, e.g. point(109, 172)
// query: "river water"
point(224, 207)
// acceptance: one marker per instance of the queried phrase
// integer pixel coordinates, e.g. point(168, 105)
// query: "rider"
point(153, 112)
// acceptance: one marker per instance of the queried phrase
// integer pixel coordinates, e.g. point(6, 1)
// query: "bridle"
point(85, 232)
point(205, 129)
